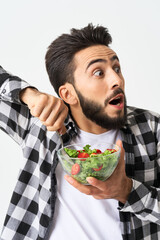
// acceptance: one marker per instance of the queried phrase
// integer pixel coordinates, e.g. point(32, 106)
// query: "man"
point(86, 74)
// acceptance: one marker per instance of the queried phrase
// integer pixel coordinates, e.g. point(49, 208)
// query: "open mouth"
point(117, 100)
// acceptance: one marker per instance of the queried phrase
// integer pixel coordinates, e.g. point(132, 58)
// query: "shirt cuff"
point(10, 90)
point(137, 198)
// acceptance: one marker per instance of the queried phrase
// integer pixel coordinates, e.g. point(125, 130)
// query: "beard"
point(95, 112)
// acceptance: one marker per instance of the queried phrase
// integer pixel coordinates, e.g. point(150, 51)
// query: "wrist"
point(127, 187)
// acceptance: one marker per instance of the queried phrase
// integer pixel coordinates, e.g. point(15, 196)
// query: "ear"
point(68, 94)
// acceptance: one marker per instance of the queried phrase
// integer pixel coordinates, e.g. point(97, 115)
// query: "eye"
point(117, 69)
point(98, 73)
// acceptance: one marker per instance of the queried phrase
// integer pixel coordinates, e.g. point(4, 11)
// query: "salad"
point(89, 162)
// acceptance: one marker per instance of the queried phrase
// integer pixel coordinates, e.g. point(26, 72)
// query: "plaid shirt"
point(31, 209)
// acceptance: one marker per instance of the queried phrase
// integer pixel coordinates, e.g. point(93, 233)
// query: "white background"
point(28, 27)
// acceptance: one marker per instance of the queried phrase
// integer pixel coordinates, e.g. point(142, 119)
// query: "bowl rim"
point(67, 146)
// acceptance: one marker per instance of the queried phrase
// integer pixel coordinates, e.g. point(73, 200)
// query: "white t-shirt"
point(82, 217)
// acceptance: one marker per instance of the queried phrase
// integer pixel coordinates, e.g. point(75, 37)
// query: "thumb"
point(119, 143)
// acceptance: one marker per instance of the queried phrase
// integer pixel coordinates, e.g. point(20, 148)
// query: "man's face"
point(99, 85)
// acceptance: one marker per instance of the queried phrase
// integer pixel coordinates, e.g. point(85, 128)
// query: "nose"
point(115, 81)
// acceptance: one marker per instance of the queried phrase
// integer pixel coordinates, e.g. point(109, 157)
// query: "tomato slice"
point(98, 169)
point(98, 151)
point(75, 169)
point(83, 155)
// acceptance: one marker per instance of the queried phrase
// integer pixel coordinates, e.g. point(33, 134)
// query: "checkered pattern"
point(32, 204)
point(140, 215)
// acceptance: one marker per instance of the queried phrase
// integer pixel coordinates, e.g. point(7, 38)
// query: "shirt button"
point(4, 91)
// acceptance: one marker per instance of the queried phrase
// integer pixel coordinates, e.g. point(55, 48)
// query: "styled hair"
point(60, 54)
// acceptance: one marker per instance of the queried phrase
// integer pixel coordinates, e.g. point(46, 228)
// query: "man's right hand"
point(50, 110)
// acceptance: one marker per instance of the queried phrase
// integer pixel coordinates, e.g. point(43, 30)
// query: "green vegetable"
point(71, 152)
point(88, 150)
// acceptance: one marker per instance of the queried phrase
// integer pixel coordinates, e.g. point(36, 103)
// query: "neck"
point(84, 123)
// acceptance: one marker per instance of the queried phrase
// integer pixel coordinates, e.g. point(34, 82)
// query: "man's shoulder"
point(141, 115)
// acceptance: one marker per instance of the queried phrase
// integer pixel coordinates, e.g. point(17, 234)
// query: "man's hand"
point(117, 186)
point(50, 110)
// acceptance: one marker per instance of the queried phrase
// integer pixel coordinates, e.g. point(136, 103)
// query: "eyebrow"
point(101, 60)
point(114, 58)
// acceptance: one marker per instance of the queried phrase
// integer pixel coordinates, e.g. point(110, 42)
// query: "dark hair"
point(60, 54)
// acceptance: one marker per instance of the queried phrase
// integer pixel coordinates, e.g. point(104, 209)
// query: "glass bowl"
point(95, 164)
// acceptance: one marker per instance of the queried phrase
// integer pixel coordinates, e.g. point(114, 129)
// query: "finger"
point(45, 114)
point(88, 190)
point(50, 119)
point(99, 197)
point(96, 183)
point(119, 143)
point(57, 126)
point(61, 130)
point(36, 110)
point(56, 118)
point(51, 111)
point(55, 121)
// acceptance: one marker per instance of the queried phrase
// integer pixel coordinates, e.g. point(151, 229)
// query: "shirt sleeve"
point(144, 200)
point(15, 117)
